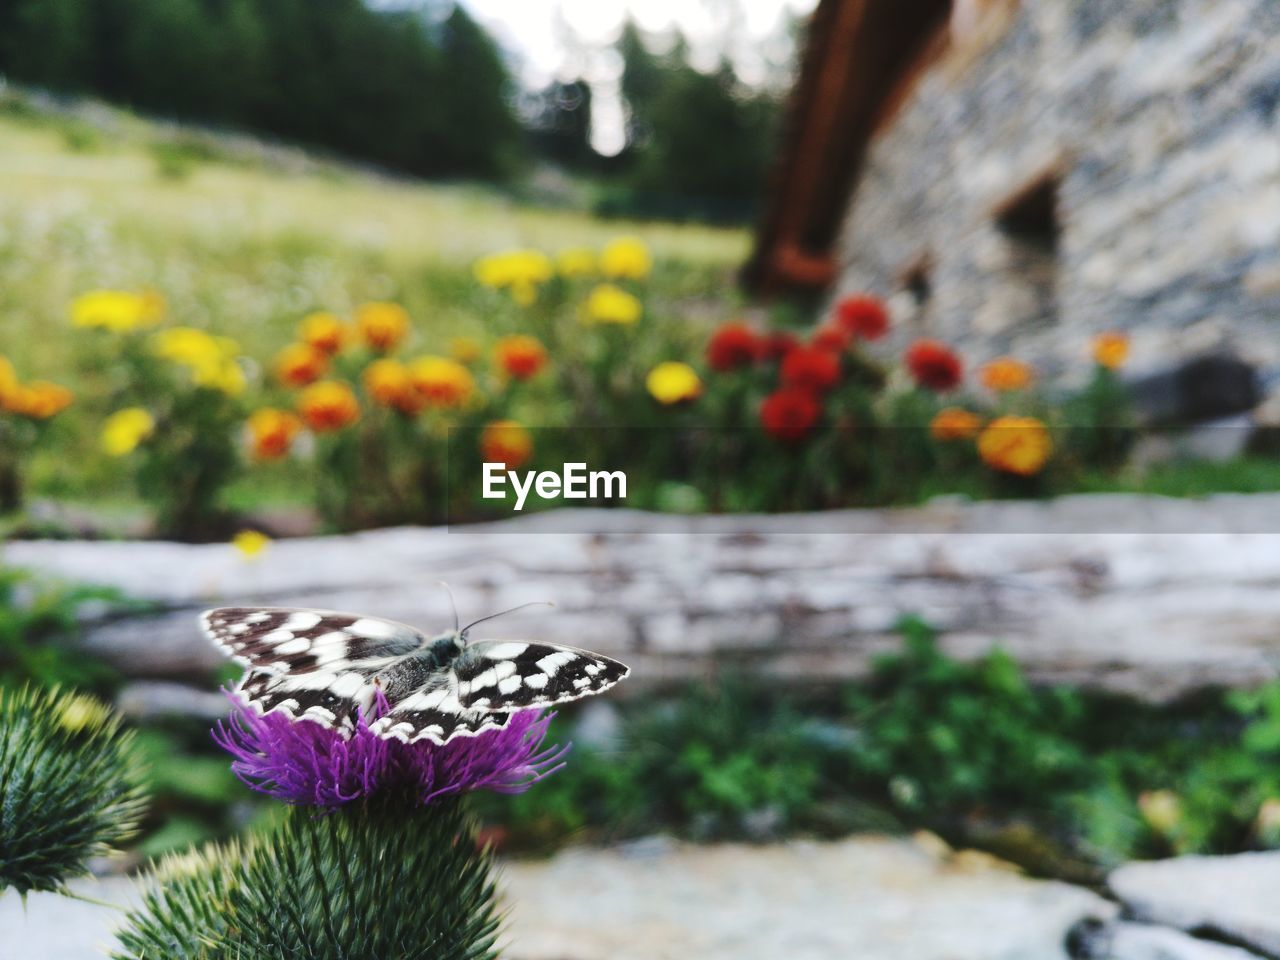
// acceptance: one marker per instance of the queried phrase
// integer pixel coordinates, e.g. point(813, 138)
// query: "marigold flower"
point(328, 406)
point(1005, 374)
point(119, 311)
point(610, 304)
point(1111, 350)
point(955, 423)
point(626, 258)
point(831, 339)
point(302, 762)
point(125, 429)
point(442, 383)
point(521, 272)
point(811, 369)
point(8, 379)
point(506, 442)
point(520, 356)
point(324, 331)
point(38, 400)
point(272, 432)
point(731, 346)
point(790, 414)
point(465, 349)
point(250, 544)
point(672, 382)
point(382, 326)
point(934, 365)
point(211, 360)
point(299, 364)
point(389, 384)
point(1019, 445)
point(863, 316)
point(576, 262)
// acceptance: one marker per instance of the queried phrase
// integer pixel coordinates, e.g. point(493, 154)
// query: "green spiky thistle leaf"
point(378, 880)
point(69, 787)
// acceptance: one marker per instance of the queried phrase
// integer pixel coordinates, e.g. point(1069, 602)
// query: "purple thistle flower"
point(302, 762)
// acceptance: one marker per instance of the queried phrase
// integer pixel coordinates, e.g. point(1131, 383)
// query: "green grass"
point(245, 247)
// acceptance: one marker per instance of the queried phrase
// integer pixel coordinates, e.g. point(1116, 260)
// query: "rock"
point(1139, 941)
point(1205, 388)
point(870, 898)
point(1228, 898)
point(151, 700)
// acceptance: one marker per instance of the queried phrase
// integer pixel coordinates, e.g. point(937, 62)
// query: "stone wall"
point(1162, 120)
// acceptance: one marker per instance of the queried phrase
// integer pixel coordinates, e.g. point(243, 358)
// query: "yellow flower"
point(323, 331)
point(506, 442)
point(8, 380)
point(38, 400)
point(389, 384)
point(521, 270)
point(299, 364)
point(953, 423)
point(610, 304)
point(576, 262)
point(626, 258)
point(442, 382)
point(328, 406)
point(1111, 350)
point(382, 326)
point(1161, 809)
point(465, 349)
point(673, 382)
point(125, 429)
point(1005, 374)
point(1018, 445)
point(211, 360)
point(119, 311)
point(250, 543)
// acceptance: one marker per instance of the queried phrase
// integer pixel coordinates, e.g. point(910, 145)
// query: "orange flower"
point(1004, 374)
point(389, 384)
point(520, 356)
point(328, 406)
point(272, 432)
point(954, 423)
point(299, 364)
point(442, 382)
point(323, 331)
point(1018, 445)
point(1111, 350)
point(506, 442)
point(382, 326)
point(38, 400)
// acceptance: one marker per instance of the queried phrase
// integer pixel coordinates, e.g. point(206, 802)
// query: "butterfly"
point(329, 668)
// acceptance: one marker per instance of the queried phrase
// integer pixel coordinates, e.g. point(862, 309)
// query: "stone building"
point(1017, 174)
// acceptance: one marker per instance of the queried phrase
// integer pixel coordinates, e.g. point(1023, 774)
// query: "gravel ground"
point(865, 897)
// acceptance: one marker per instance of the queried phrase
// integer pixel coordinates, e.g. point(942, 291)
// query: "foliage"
point(341, 75)
point(68, 789)
point(372, 881)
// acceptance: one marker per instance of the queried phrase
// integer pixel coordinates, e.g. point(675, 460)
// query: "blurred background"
point(943, 337)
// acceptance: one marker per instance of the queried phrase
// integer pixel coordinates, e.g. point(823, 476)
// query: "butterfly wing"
point(310, 664)
point(498, 676)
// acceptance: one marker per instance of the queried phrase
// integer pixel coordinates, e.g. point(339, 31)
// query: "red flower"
point(810, 368)
point(732, 346)
point(934, 365)
point(777, 344)
point(863, 316)
point(789, 414)
point(831, 339)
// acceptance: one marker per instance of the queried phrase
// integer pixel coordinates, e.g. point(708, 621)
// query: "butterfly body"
point(334, 668)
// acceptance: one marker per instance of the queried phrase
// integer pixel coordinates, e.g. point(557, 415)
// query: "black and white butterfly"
point(329, 667)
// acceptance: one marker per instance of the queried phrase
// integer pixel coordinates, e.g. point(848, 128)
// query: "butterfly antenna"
point(452, 603)
point(493, 616)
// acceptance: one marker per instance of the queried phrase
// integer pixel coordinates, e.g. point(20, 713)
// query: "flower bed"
point(361, 416)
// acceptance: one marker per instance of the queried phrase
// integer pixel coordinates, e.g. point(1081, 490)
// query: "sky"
point(566, 39)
